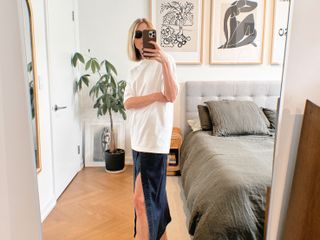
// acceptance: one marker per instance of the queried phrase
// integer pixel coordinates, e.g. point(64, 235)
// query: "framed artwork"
point(279, 30)
point(179, 25)
point(97, 140)
point(237, 31)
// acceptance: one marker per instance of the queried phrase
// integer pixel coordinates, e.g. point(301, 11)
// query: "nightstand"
point(173, 165)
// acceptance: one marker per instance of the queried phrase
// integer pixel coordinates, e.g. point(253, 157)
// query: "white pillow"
point(194, 124)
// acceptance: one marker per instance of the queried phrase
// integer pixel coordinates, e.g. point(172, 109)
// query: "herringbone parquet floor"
point(98, 206)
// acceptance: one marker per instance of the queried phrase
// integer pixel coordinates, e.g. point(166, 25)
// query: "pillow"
point(272, 117)
point(204, 116)
point(237, 118)
point(194, 124)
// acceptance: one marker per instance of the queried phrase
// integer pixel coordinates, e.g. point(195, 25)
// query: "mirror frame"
point(35, 87)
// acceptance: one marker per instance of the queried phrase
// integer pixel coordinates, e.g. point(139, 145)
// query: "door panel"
point(66, 132)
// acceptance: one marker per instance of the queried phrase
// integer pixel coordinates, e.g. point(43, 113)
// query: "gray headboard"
point(263, 93)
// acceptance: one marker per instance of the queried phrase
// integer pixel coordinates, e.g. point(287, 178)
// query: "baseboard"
point(129, 160)
point(95, 164)
point(81, 166)
point(48, 207)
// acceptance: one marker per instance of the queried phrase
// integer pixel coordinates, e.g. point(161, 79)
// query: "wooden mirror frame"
point(35, 87)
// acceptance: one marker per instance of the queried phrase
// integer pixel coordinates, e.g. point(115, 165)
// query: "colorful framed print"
point(237, 31)
point(179, 25)
point(279, 30)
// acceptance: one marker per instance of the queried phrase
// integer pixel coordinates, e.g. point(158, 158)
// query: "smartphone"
point(149, 35)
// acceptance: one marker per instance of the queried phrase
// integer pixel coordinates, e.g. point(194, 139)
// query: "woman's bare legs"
point(164, 236)
point(139, 204)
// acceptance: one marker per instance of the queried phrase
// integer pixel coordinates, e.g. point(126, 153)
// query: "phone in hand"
point(147, 36)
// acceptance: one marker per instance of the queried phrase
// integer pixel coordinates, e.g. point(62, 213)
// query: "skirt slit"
point(152, 168)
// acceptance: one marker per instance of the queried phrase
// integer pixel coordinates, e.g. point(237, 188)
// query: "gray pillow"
point(272, 117)
point(237, 118)
point(205, 119)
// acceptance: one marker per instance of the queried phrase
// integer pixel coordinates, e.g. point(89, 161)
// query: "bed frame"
point(263, 93)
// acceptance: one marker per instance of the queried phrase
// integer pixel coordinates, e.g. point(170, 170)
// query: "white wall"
point(301, 82)
point(19, 204)
point(103, 28)
point(45, 177)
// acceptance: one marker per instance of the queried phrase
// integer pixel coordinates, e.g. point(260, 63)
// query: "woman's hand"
point(155, 54)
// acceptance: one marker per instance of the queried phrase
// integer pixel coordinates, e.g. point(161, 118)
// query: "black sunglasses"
point(138, 34)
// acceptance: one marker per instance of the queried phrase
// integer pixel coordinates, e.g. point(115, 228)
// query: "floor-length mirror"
point(32, 78)
point(229, 61)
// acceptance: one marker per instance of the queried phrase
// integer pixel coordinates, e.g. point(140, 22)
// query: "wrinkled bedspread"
point(224, 180)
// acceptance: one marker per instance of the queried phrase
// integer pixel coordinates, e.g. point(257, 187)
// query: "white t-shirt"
point(150, 126)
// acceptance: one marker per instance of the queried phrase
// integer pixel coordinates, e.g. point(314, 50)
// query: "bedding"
point(194, 124)
point(204, 116)
point(272, 117)
point(237, 118)
point(225, 179)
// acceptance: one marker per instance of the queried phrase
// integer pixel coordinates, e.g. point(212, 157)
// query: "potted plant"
point(107, 94)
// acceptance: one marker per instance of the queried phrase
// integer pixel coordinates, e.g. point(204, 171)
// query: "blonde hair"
point(133, 52)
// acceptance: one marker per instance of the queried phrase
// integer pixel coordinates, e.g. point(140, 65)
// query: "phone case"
point(149, 35)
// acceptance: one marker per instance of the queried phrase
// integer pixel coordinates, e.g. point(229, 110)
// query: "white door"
point(66, 131)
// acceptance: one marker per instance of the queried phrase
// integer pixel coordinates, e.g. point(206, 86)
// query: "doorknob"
point(56, 107)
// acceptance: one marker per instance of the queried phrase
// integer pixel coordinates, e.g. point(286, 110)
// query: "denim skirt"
point(153, 169)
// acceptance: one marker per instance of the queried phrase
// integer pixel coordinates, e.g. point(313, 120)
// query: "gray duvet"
point(224, 180)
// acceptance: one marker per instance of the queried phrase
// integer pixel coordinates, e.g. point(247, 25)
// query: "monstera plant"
point(107, 94)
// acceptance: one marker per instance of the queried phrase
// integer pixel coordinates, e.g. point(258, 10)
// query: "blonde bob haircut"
point(133, 52)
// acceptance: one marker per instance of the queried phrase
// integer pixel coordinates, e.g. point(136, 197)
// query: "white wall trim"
point(48, 207)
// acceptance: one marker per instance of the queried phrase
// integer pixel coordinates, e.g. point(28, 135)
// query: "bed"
point(225, 178)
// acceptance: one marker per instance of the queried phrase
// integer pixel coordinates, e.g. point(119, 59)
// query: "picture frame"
point(237, 31)
point(93, 135)
point(279, 30)
point(181, 39)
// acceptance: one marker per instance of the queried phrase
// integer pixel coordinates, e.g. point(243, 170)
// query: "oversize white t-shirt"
point(150, 126)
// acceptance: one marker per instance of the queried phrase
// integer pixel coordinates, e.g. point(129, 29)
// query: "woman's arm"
point(170, 88)
point(142, 101)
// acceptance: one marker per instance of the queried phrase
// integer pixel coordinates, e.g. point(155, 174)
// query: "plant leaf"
point(80, 57)
point(105, 109)
point(95, 66)
point(93, 90)
point(74, 60)
point(88, 64)
point(113, 84)
point(77, 56)
point(95, 62)
point(123, 113)
point(97, 104)
point(85, 79)
point(29, 67)
point(110, 67)
point(80, 84)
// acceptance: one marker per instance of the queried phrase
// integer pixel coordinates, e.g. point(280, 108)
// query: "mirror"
point(223, 67)
point(32, 78)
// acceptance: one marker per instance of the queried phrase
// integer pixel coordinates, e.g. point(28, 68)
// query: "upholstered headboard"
point(263, 93)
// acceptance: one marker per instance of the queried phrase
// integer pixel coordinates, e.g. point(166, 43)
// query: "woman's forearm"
point(170, 89)
point(143, 101)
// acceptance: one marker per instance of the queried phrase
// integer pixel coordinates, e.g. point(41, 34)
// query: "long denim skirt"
point(153, 169)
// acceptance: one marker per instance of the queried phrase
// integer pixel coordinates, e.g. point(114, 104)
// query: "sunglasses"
point(138, 34)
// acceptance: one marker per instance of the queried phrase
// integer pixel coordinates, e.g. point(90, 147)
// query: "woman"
point(151, 90)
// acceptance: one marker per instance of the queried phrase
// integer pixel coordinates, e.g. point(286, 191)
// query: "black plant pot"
point(115, 161)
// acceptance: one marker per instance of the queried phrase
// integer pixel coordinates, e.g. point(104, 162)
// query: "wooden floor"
point(98, 205)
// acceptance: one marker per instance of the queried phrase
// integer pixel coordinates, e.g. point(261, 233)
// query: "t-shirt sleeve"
point(129, 91)
point(172, 65)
